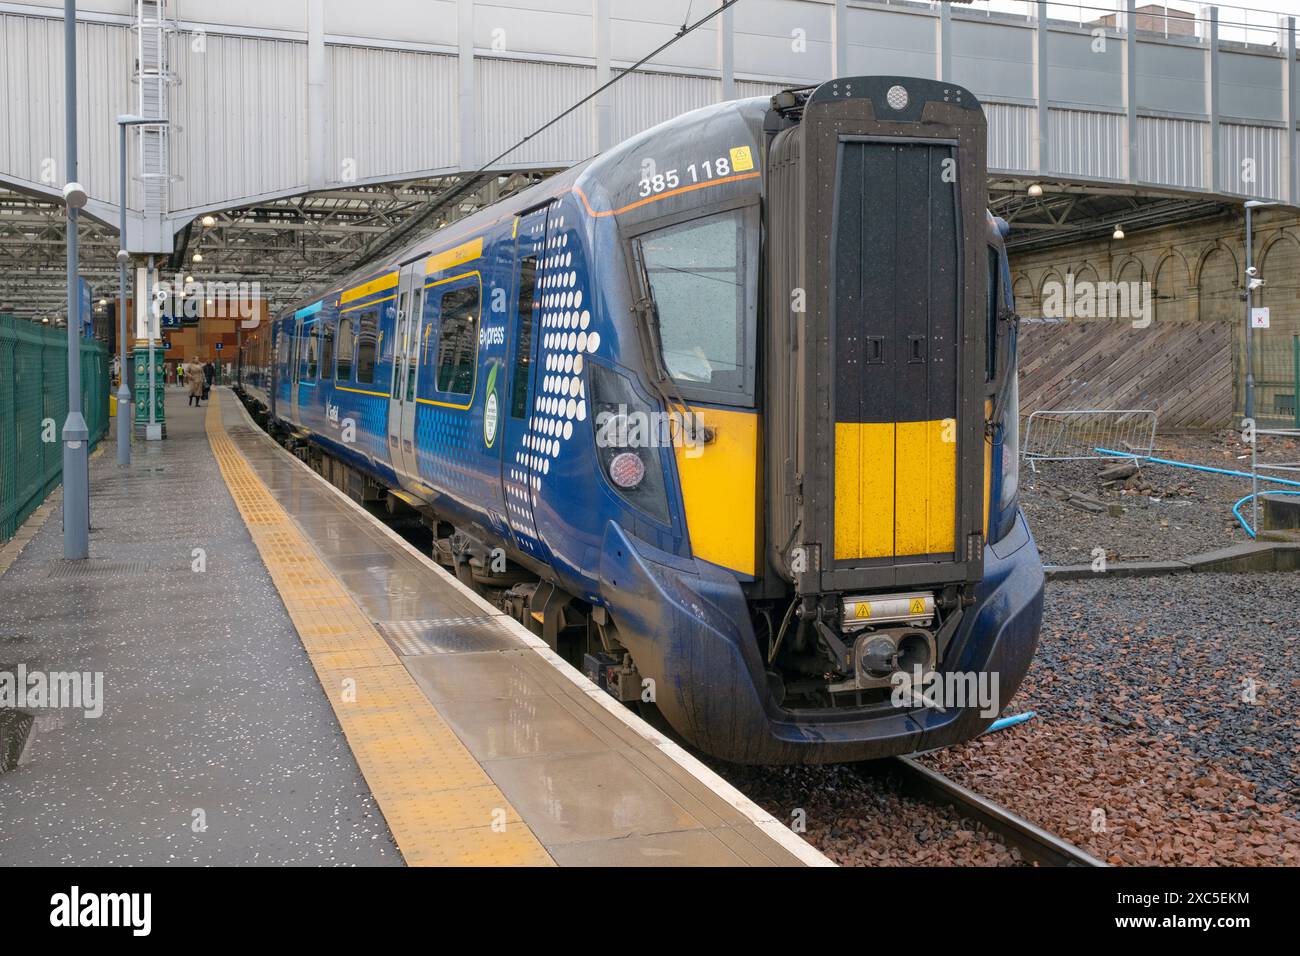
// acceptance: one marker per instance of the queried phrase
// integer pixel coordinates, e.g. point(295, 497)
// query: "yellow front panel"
point(926, 475)
point(864, 489)
point(720, 490)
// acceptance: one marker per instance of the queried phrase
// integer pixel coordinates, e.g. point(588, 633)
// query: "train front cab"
point(886, 449)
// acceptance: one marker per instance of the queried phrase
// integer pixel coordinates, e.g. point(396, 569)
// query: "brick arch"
point(1217, 284)
point(1051, 275)
point(1121, 274)
point(1171, 289)
point(1217, 246)
point(1085, 271)
point(1279, 266)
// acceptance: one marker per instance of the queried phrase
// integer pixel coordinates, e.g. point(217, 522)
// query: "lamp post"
point(76, 436)
point(123, 257)
point(1253, 282)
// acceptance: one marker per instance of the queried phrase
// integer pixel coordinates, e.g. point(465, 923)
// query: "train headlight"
point(627, 441)
point(627, 470)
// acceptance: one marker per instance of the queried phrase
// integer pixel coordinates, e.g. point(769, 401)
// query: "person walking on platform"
point(209, 376)
point(194, 375)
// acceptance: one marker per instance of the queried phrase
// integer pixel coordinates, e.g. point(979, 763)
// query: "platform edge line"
point(786, 838)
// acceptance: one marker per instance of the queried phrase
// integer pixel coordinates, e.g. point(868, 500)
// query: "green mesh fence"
point(1277, 380)
point(33, 405)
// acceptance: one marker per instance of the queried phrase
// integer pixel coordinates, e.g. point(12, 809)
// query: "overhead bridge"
point(274, 100)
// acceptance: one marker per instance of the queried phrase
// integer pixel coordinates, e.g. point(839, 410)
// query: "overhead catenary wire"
point(685, 30)
point(467, 179)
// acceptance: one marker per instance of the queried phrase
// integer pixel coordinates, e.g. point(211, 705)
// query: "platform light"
point(1118, 233)
point(198, 257)
point(1035, 190)
point(208, 222)
point(103, 302)
point(74, 195)
point(189, 279)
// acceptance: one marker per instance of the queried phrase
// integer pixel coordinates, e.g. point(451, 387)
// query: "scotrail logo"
point(74, 908)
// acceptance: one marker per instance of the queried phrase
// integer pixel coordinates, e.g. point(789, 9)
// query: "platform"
point(323, 691)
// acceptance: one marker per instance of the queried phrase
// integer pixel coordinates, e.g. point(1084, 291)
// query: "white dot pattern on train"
point(564, 338)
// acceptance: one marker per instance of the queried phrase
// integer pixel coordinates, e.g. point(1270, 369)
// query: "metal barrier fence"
point(1075, 434)
point(33, 406)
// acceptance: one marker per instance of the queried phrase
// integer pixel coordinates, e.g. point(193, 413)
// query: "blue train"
point(727, 414)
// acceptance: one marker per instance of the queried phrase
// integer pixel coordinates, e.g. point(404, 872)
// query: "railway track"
point(1035, 844)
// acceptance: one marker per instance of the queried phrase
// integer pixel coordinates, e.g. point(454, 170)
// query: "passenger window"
point(346, 343)
point(367, 346)
point(524, 346)
point(307, 350)
point(413, 349)
point(326, 349)
point(457, 340)
point(701, 279)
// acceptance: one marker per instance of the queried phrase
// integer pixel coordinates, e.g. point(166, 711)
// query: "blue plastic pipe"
point(1183, 464)
point(1002, 723)
point(1237, 512)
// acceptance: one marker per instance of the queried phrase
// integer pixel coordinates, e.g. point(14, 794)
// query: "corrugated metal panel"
point(515, 97)
point(642, 100)
point(1252, 159)
point(1171, 152)
point(32, 144)
point(1011, 137)
point(390, 113)
point(747, 88)
point(1087, 143)
point(242, 116)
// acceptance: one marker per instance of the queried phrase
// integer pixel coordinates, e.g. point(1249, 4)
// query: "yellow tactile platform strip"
point(442, 808)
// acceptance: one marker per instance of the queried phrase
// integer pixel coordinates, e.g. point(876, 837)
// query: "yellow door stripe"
point(369, 288)
point(459, 255)
point(440, 805)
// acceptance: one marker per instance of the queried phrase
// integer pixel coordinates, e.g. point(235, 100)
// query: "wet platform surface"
point(216, 744)
point(477, 744)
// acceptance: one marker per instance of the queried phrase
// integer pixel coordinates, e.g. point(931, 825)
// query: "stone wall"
point(1196, 272)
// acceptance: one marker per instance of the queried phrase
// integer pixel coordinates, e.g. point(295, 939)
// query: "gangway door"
point(877, 219)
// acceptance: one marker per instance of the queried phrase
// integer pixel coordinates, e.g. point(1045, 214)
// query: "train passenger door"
point(406, 347)
point(295, 345)
point(520, 475)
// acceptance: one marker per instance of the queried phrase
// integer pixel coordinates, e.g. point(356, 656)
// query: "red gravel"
point(1138, 685)
point(864, 821)
point(1158, 806)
